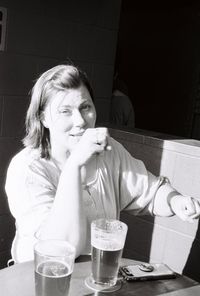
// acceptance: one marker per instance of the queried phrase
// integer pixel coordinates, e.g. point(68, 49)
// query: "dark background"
point(158, 56)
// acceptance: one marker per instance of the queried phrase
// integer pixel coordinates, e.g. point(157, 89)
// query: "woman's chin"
point(71, 144)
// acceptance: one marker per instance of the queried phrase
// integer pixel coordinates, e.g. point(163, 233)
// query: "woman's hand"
point(185, 207)
point(93, 141)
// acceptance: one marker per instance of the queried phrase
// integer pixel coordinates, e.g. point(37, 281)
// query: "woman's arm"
point(67, 219)
point(168, 202)
point(141, 192)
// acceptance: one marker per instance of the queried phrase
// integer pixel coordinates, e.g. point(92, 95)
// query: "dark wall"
point(158, 56)
point(39, 36)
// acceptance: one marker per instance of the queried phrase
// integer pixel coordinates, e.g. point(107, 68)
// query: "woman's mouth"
point(77, 134)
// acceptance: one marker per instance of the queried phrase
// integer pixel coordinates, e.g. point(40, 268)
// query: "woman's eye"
point(65, 111)
point(85, 107)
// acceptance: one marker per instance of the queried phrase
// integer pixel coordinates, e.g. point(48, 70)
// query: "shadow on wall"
point(139, 244)
point(139, 237)
point(140, 228)
point(7, 231)
point(8, 148)
point(191, 268)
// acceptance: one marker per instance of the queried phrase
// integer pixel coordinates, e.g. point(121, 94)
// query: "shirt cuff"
point(162, 199)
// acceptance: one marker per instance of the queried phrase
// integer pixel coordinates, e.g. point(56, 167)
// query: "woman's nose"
point(78, 119)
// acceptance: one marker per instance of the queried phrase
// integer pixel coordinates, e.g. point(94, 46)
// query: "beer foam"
point(53, 269)
point(107, 245)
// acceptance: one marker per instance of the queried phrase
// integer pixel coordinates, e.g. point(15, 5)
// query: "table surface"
point(18, 280)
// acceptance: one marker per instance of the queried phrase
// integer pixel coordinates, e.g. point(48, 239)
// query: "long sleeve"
point(30, 195)
point(137, 187)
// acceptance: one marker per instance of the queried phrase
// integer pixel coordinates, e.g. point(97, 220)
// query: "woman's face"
point(67, 115)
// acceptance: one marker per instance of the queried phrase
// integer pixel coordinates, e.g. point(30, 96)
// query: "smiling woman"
point(71, 173)
point(67, 116)
point(56, 82)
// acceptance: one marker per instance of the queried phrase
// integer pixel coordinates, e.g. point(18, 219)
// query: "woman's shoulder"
point(114, 155)
point(119, 151)
point(25, 157)
point(115, 145)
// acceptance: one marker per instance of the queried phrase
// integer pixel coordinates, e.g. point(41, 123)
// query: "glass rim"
point(70, 248)
point(94, 224)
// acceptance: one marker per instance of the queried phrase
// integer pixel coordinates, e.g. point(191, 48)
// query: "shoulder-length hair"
point(58, 78)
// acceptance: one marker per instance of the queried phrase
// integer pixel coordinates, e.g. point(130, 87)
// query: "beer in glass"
point(54, 261)
point(107, 242)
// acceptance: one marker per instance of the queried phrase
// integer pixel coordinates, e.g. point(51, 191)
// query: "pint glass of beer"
point(107, 240)
point(54, 262)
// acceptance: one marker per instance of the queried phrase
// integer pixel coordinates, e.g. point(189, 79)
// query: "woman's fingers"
point(186, 208)
point(102, 138)
point(94, 141)
point(196, 209)
point(190, 208)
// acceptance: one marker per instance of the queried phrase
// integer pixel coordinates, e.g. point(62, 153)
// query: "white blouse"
point(120, 182)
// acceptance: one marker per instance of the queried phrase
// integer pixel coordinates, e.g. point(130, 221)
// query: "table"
point(18, 280)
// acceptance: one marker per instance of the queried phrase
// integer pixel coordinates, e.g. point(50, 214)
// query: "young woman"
point(70, 172)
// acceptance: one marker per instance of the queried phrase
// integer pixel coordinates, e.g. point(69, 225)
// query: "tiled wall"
point(39, 36)
point(159, 239)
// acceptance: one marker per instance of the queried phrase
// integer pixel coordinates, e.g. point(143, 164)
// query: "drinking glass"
point(107, 241)
point(54, 262)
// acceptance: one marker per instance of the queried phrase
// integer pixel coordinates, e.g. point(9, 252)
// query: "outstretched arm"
point(169, 202)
